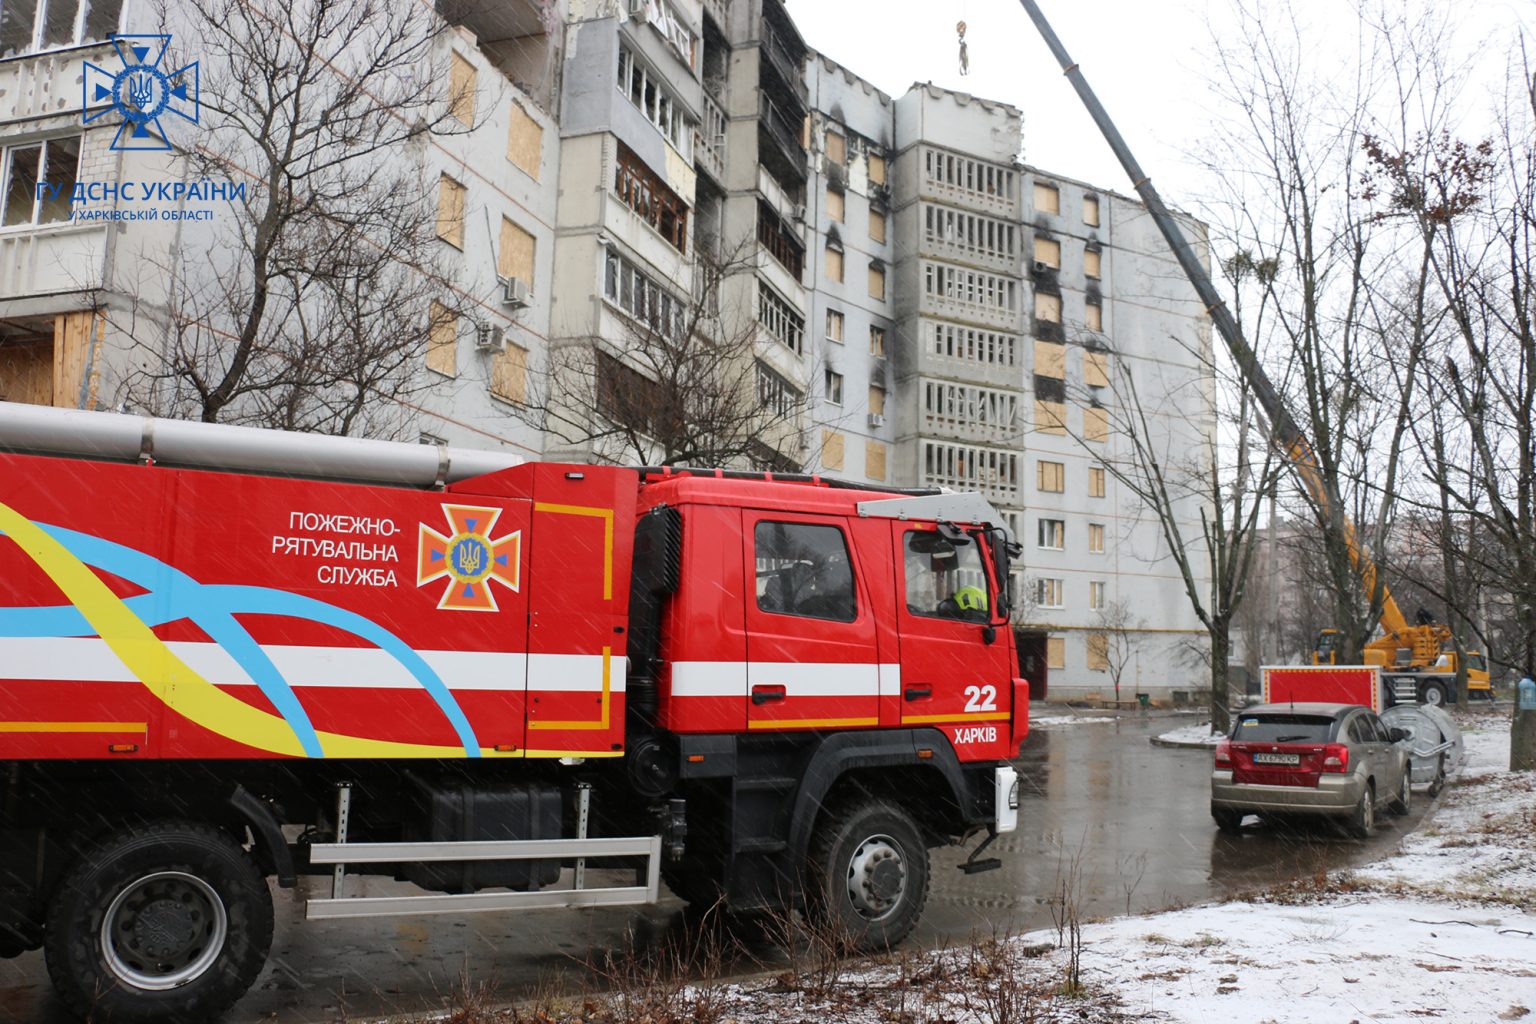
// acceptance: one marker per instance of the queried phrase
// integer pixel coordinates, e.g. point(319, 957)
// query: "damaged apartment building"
point(922, 308)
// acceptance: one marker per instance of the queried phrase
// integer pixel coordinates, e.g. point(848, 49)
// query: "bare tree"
point(683, 384)
point(306, 307)
point(1117, 628)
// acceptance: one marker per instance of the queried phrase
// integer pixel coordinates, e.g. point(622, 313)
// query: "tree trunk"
point(1221, 648)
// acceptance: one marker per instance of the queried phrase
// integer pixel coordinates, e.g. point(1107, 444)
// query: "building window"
point(1050, 477)
point(834, 382)
point(1096, 369)
point(27, 26)
point(525, 141)
point(834, 326)
point(979, 179)
point(461, 89)
point(1048, 251)
point(1049, 592)
point(834, 262)
point(1096, 594)
point(877, 226)
point(1095, 424)
point(876, 280)
point(1091, 213)
point(56, 162)
point(1096, 537)
point(509, 374)
point(775, 393)
point(971, 233)
point(782, 244)
point(1096, 482)
point(1050, 360)
point(646, 91)
point(874, 460)
point(876, 168)
point(1098, 646)
point(970, 345)
point(974, 288)
point(1047, 308)
point(969, 468)
point(837, 147)
point(1093, 316)
point(1053, 533)
point(626, 286)
point(832, 445)
point(1047, 198)
point(450, 211)
point(835, 205)
point(638, 188)
point(877, 342)
point(950, 407)
point(1091, 263)
point(442, 340)
point(776, 314)
point(1055, 652)
point(514, 257)
point(1050, 415)
point(876, 400)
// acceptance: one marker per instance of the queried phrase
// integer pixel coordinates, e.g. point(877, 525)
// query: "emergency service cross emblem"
point(469, 558)
point(141, 93)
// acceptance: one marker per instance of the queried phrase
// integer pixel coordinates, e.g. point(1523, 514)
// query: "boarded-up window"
point(1048, 307)
point(834, 205)
point(1096, 424)
point(1091, 263)
point(443, 340)
point(1096, 537)
point(876, 281)
point(837, 147)
point(1048, 251)
point(525, 142)
point(450, 211)
point(1050, 477)
point(834, 264)
point(1055, 652)
point(1091, 212)
point(1051, 359)
point(877, 168)
point(876, 400)
point(26, 374)
point(877, 225)
point(515, 256)
point(1098, 649)
point(1047, 198)
point(874, 460)
point(74, 362)
point(1050, 417)
point(1093, 316)
point(1096, 368)
point(831, 450)
point(461, 89)
point(509, 374)
point(1096, 482)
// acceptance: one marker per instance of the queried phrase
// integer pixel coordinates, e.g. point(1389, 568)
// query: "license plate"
point(1277, 759)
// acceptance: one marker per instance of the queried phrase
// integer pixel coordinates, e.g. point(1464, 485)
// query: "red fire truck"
point(229, 655)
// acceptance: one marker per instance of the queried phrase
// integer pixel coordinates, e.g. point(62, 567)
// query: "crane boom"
point(1287, 435)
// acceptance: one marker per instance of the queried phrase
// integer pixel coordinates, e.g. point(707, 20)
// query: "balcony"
point(778, 54)
point(780, 150)
point(709, 154)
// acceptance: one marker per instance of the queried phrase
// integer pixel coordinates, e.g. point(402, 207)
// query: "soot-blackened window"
point(804, 569)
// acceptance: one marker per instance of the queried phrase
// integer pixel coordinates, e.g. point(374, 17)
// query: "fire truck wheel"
point(159, 922)
point(868, 874)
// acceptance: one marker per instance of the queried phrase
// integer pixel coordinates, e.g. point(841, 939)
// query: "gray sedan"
point(1337, 760)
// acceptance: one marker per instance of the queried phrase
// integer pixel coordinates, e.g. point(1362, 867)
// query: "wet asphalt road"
point(1134, 817)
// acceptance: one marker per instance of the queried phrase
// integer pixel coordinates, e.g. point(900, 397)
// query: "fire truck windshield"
point(944, 580)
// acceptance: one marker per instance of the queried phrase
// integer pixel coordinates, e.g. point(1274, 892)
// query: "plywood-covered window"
point(1096, 368)
point(876, 400)
point(514, 257)
point(1048, 308)
point(1091, 211)
point(1050, 359)
point(1050, 416)
point(1096, 481)
point(876, 281)
point(1055, 652)
point(1095, 424)
point(877, 169)
point(874, 460)
point(834, 263)
point(876, 226)
point(442, 339)
point(835, 205)
point(461, 89)
point(837, 147)
point(1091, 265)
point(1047, 198)
point(1048, 251)
point(450, 211)
point(1098, 643)
point(509, 374)
point(832, 444)
point(1050, 477)
point(525, 142)
point(1093, 316)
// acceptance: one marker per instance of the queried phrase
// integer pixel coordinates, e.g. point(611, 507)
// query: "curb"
point(1158, 741)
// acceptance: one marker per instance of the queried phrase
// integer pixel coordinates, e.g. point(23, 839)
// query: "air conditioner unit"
point(876, 420)
point(799, 213)
point(1042, 267)
point(516, 293)
point(490, 337)
point(639, 10)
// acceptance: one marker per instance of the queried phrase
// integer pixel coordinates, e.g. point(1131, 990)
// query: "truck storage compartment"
point(450, 810)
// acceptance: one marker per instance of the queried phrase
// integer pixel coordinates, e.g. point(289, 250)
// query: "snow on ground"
point(1189, 734)
point(1052, 720)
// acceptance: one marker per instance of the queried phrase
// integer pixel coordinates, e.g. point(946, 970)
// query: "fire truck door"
point(951, 677)
point(811, 656)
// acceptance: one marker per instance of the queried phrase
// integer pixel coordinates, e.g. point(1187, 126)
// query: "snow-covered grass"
point(1191, 734)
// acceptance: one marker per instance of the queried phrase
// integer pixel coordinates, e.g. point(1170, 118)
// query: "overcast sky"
point(1146, 59)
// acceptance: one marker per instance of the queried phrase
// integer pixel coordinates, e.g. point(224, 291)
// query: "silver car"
point(1337, 760)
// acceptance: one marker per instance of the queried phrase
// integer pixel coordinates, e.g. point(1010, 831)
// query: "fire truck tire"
point(868, 875)
point(169, 921)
